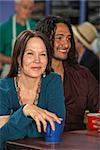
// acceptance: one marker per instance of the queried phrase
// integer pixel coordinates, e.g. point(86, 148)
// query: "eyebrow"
point(33, 50)
point(57, 34)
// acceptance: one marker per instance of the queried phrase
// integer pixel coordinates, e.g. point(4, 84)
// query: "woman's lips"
point(36, 68)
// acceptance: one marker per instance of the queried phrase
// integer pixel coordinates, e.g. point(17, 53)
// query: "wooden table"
point(74, 140)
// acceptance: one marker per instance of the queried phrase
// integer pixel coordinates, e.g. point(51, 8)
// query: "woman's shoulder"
point(5, 83)
point(52, 78)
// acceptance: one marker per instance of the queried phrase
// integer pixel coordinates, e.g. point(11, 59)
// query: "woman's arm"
point(4, 119)
point(15, 127)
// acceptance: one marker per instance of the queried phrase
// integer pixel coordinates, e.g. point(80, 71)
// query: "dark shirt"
point(81, 93)
point(91, 61)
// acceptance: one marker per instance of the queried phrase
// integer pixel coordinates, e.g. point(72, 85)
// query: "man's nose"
point(65, 42)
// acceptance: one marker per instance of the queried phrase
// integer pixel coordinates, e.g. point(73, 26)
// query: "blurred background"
point(76, 11)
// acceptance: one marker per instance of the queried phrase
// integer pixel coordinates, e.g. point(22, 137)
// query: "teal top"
point(6, 35)
point(19, 126)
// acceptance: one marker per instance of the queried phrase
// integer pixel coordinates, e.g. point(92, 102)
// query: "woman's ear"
point(19, 61)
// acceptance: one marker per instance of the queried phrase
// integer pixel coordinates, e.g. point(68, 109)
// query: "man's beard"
point(59, 58)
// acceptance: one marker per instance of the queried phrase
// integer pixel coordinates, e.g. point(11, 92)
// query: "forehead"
point(26, 2)
point(35, 42)
point(62, 28)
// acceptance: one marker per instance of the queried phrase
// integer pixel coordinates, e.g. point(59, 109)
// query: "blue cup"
point(52, 136)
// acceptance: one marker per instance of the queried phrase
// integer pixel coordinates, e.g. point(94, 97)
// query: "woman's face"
point(35, 58)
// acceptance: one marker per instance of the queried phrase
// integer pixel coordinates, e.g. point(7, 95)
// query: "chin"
point(31, 75)
point(36, 75)
point(60, 58)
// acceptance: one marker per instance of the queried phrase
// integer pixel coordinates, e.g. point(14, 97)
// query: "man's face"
point(78, 44)
point(24, 8)
point(62, 42)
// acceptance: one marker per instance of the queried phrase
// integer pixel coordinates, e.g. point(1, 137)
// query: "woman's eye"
point(29, 53)
point(43, 54)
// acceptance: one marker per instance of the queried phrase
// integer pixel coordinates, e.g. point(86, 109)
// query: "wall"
point(6, 9)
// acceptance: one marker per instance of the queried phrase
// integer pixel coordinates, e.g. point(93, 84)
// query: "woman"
point(31, 94)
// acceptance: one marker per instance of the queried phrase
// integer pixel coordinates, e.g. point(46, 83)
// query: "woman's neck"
point(27, 82)
point(28, 89)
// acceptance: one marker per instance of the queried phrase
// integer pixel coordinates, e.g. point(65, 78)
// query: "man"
point(80, 87)
point(10, 29)
point(96, 46)
point(84, 35)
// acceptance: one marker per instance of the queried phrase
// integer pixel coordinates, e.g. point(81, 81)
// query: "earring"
point(44, 74)
point(19, 70)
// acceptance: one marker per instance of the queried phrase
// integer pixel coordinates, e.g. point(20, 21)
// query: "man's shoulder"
point(91, 54)
point(6, 24)
point(9, 21)
point(80, 74)
point(32, 22)
point(79, 70)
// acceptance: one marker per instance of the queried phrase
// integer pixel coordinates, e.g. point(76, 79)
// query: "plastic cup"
point(91, 117)
point(54, 136)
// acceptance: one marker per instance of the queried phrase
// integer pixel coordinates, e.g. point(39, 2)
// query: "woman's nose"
point(36, 58)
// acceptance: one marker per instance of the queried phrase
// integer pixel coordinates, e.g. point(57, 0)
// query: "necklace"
point(19, 95)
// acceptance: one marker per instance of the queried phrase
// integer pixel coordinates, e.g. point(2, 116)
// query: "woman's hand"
point(3, 120)
point(40, 116)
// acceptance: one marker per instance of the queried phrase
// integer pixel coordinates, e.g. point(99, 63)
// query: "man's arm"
point(5, 59)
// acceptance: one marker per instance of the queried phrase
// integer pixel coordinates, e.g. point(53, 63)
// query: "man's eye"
point(58, 38)
point(69, 38)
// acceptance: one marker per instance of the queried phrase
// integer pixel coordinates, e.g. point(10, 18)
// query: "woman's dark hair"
point(47, 25)
point(19, 49)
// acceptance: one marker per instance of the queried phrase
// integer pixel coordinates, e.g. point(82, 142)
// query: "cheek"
point(26, 62)
point(77, 45)
point(69, 45)
point(55, 47)
point(45, 62)
point(24, 13)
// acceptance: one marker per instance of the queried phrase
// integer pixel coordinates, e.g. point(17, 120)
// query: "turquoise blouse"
point(19, 126)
